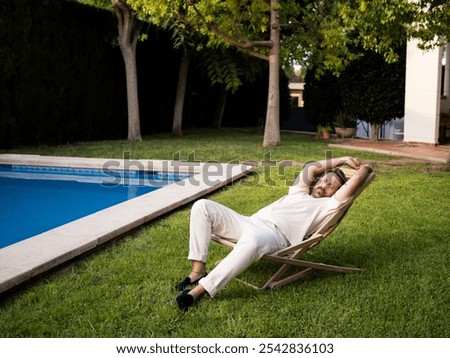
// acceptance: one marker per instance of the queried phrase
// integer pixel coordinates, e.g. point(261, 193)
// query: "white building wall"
point(445, 101)
point(422, 94)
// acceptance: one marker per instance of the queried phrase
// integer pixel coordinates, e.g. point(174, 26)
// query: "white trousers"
point(254, 238)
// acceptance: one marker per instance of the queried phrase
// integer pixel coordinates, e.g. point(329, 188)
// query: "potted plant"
point(325, 131)
point(345, 125)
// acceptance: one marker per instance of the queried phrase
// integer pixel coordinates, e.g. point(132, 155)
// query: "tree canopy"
point(324, 34)
point(432, 23)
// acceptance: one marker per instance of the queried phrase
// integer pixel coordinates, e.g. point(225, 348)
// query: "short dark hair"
point(339, 173)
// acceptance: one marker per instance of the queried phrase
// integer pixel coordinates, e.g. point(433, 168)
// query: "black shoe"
point(180, 286)
point(184, 300)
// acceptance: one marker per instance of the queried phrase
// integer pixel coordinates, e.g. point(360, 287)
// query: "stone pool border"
point(32, 257)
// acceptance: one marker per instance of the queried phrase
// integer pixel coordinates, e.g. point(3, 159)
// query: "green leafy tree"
point(127, 39)
point(384, 24)
point(432, 23)
point(220, 65)
point(322, 98)
point(373, 90)
point(369, 89)
point(258, 28)
point(184, 39)
point(316, 33)
point(426, 21)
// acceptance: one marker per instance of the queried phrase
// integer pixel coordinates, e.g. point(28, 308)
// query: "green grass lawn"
point(398, 231)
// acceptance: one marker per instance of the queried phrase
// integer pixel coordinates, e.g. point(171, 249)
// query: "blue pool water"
point(36, 199)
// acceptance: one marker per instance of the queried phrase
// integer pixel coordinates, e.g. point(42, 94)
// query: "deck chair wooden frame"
point(290, 256)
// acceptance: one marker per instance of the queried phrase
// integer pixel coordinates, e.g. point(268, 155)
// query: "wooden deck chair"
point(289, 256)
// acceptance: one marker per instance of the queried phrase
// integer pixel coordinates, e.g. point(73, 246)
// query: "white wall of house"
point(422, 94)
point(445, 99)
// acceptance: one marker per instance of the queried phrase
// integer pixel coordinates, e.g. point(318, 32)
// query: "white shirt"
point(298, 214)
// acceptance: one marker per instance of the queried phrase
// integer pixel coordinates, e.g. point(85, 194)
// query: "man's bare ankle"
point(195, 275)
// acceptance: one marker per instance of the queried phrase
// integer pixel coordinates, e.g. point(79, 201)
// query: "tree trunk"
point(272, 126)
point(177, 124)
point(128, 36)
point(374, 132)
point(217, 122)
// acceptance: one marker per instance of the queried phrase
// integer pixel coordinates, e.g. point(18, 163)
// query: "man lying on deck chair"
point(319, 191)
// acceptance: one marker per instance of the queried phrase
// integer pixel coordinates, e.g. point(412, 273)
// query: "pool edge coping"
point(48, 250)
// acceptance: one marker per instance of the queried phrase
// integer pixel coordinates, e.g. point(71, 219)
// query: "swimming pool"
point(29, 258)
point(35, 199)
